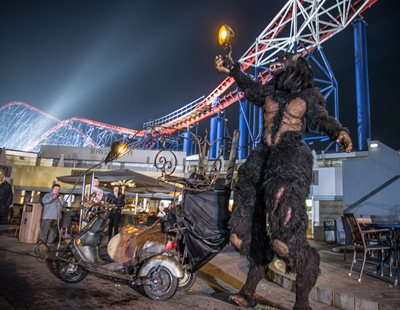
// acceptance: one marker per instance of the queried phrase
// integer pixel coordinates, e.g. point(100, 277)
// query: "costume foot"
point(302, 307)
point(244, 300)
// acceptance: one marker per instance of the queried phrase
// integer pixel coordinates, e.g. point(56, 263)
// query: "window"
point(315, 177)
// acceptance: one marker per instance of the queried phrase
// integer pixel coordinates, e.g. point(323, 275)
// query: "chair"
point(369, 240)
point(380, 221)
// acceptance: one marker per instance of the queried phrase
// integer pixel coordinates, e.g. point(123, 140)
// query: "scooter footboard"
point(162, 260)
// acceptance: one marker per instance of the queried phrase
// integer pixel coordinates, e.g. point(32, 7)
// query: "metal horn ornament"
point(167, 166)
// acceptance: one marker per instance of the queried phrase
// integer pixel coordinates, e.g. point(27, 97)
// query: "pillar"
point(362, 84)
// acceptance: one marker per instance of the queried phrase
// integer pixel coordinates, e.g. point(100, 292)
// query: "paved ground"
point(27, 283)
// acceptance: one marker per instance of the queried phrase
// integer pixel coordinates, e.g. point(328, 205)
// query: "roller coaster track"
point(43, 126)
point(300, 26)
point(68, 123)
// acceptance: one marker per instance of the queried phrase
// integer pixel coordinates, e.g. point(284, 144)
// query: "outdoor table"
point(395, 242)
point(364, 220)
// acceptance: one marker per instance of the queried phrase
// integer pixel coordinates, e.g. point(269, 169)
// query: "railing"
point(371, 193)
point(174, 115)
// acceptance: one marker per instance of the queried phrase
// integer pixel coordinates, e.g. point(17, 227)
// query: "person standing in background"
point(118, 200)
point(161, 211)
point(6, 196)
point(97, 192)
point(52, 205)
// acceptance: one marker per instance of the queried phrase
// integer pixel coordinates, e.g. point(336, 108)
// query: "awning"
point(160, 196)
point(143, 183)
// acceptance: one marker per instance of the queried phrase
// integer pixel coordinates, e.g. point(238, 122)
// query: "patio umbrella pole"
point(136, 202)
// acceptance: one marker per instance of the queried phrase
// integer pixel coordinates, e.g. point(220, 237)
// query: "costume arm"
point(254, 91)
point(318, 118)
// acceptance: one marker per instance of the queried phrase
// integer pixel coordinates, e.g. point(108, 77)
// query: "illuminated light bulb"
point(225, 35)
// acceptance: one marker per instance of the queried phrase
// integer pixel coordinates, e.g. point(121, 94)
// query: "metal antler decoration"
point(167, 166)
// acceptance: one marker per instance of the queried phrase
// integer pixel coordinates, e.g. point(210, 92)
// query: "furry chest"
point(291, 119)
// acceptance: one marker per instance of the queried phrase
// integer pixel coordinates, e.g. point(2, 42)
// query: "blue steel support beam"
point(213, 136)
point(187, 142)
point(220, 132)
point(244, 128)
point(335, 88)
point(194, 145)
point(362, 84)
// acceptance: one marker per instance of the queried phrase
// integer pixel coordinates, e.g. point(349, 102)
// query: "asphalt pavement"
point(27, 283)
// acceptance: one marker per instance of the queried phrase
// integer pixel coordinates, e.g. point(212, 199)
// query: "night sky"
point(125, 62)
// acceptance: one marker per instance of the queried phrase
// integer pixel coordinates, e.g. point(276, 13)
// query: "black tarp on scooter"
point(203, 219)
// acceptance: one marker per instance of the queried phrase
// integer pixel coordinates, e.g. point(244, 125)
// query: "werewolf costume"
point(274, 181)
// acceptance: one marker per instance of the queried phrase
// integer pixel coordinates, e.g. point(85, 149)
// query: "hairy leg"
point(261, 254)
point(248, 224)
point(307, 274)
point(245, 297)
point(245, 196)
point(288, 176)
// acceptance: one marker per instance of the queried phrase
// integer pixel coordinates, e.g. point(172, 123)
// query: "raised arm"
point(48, 198)
point(254, 91)
point(318, 119)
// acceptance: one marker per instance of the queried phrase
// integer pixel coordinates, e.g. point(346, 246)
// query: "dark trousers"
point(113, 224)
point(3, 219)
point(3, 215)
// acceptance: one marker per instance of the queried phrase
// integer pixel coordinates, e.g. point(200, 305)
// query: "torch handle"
point(228, 61)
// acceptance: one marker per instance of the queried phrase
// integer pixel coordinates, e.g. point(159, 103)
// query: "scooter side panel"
point(160, 260)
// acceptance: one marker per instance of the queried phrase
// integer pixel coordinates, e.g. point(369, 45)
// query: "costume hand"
point(235, 241)
point(219, 65)
point(344, 140)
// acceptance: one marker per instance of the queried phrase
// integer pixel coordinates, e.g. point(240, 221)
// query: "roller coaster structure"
point(300, 26)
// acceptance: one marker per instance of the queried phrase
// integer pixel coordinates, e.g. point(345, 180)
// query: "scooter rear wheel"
point(162, 284)
point(68, 271)
point(187, 281)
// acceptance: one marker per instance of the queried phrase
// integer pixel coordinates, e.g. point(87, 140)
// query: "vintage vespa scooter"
point(140, 258)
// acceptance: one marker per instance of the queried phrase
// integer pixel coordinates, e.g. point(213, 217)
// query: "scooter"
point(140, 258)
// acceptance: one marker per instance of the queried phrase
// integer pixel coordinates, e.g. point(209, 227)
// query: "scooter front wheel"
point(67, 269)
point(162, 284)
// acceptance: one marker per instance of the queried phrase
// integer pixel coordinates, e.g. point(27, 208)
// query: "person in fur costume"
point(274, 181)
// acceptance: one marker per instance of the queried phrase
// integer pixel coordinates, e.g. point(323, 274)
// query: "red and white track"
point(300, 25)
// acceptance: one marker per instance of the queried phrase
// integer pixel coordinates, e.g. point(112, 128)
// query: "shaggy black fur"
point(284, 166)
